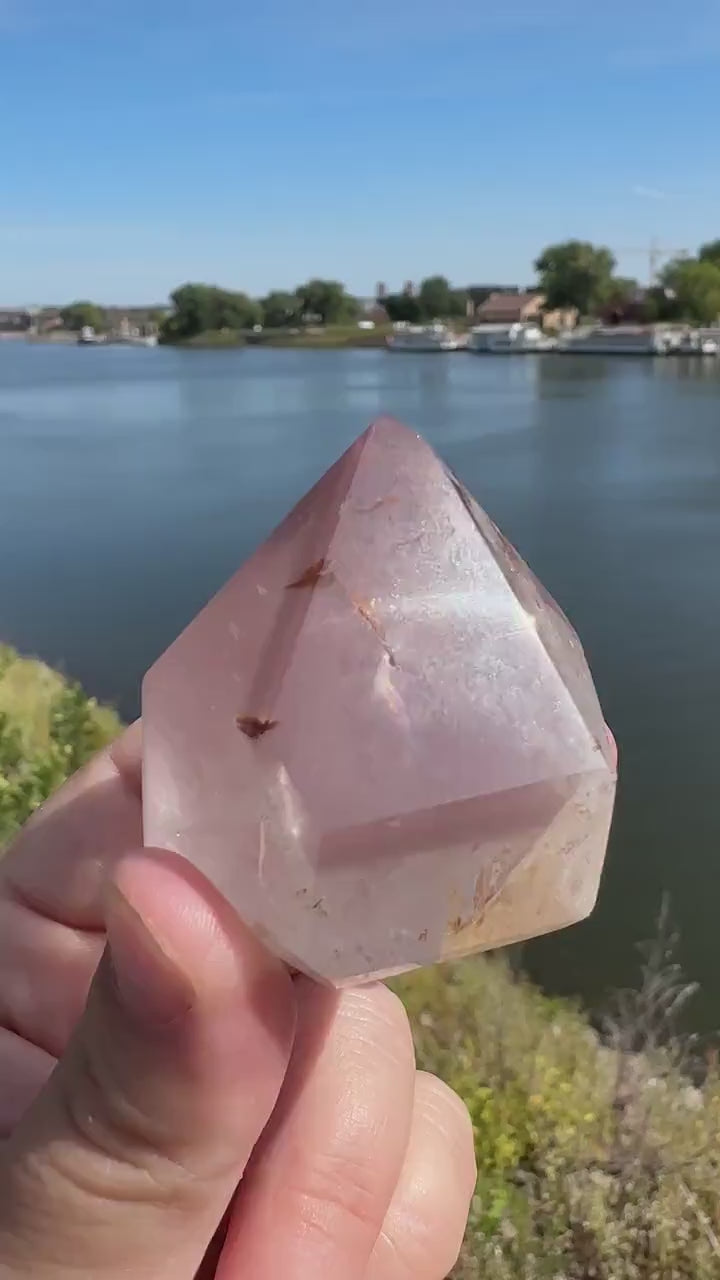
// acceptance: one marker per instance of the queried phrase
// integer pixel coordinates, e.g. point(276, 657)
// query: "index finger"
point(60, 860)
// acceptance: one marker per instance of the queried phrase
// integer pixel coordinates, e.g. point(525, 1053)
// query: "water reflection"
point(560, 375)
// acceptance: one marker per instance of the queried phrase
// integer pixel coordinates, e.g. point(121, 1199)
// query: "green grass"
point(332, 336)
point(48, 728)
point(213, 338)
point(598, 1158)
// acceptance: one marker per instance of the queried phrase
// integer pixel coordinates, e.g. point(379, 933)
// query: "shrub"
point(598, 1159)
point(48, 729)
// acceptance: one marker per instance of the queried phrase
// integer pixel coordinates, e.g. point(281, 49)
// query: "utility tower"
point(656, 254)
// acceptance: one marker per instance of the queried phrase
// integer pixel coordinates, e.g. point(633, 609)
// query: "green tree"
point(696, 288)
point(622, 297)
point(459, 300)
point(710, 252)
point(192, 312)
point(575, 273)
point(328, 300)
point(438, 301)
point(78, 315)
point(402, 308)
point(279, 309)
point(478, 294)
point(235, 310)
point(660, 305)
point(203, 308)
point(622, 289)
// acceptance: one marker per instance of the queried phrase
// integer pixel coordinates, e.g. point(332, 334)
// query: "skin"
point(173, 1104)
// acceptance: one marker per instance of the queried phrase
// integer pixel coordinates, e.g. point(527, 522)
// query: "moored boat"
point(132, 336)
point(508, 339)
point(696, 342)
point(424, 337)
point(138, 340)
point(87, 337)
point(615, 340)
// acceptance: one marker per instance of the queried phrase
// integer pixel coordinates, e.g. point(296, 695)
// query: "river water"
point(133, 482)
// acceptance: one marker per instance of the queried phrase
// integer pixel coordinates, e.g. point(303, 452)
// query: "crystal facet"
point(381, 740)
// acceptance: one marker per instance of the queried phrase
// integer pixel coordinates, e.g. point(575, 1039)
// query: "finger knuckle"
point(111, 1149)
point(424, 1251)
point(339, 1199)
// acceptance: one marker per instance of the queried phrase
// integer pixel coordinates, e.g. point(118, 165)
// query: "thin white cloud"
point(650, 193)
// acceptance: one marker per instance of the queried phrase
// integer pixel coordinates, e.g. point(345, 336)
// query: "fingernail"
point(149, 983)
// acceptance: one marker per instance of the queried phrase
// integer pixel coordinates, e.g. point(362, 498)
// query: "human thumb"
point(128, 1160)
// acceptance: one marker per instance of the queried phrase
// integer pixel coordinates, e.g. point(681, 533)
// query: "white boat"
point(89, 338)
point(508, 339)
point(139, 340)
point(131, 336)
point(697, 342)
point(615, 340)
point(423, 337)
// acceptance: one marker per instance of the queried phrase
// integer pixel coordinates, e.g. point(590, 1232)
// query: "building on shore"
point(48, 320)
point(15, 320)
point(521, 308)
point(125, 322)
point(373, 309)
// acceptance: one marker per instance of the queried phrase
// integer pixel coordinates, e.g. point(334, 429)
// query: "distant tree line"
point(581, 275)
point(88, 315)
point(434, 300)
point(80, 315)
point(203, 308)
point(574, 274)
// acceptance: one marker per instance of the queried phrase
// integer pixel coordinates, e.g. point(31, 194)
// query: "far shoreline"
point(333, 337)
point(327, 338)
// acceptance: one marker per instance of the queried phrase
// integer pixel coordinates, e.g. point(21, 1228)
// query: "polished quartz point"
point(381, 740)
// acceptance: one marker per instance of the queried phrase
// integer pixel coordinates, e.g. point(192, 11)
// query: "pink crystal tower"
point(381, 740)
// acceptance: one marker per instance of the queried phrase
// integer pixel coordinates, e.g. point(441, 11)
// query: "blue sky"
point(255, 144)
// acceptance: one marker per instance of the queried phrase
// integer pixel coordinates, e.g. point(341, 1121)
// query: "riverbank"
point(56, 338)
point(332, 337)
point(596, 1158)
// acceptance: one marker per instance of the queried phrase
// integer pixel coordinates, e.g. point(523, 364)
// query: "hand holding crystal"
point(204, 1113)
point(382, 746)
